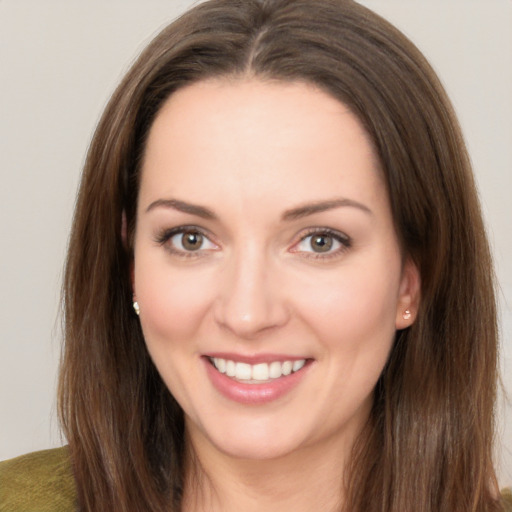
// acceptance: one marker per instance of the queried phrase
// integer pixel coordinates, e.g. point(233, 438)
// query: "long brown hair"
point(428, 442)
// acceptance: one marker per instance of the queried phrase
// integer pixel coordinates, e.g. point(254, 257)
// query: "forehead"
point(246, 137)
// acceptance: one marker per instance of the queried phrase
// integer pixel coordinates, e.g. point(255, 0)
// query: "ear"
point(409, 296)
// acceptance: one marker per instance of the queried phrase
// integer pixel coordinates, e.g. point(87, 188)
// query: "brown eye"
point(186, 241)
point(191, 241)
point(321, 243)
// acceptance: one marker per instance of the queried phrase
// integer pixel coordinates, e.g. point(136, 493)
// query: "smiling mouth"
point(256, 373)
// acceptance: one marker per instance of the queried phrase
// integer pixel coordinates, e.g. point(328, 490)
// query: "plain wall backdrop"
point(59, 63)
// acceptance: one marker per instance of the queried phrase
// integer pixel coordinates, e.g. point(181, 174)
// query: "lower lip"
point(254, 394)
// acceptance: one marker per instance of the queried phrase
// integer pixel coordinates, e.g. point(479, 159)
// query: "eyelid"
point(344, 240)
point(163, 236)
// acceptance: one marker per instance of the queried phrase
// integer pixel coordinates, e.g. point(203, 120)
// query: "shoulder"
point(40, 481)
point(506, 495)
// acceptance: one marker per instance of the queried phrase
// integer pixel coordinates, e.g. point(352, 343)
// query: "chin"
point(253, 440)
point(256, 449)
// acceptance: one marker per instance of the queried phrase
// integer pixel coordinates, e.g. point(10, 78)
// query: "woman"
point(281, 191)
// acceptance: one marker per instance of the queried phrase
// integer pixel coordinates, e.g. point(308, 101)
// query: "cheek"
point(172, 301)
point(352, 311)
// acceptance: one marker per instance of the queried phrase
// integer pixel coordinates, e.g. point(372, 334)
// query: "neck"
point(305, 480)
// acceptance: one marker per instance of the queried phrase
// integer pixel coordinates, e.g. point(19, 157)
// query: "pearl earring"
point(136, 307)
point(407, 314)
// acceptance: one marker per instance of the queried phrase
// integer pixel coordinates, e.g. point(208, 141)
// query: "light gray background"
point(59, 62)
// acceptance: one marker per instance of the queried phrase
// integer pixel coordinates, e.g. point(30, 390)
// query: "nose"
point(251, 298)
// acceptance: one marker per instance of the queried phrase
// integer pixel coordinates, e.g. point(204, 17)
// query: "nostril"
point(250, 301)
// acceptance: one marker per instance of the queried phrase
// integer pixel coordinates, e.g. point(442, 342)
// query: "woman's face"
point(267, 270)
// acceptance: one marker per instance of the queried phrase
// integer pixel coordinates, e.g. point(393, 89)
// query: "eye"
point(323, 242)
point(186, 241)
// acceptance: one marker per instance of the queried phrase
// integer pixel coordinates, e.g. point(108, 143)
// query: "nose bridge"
point(249, 300)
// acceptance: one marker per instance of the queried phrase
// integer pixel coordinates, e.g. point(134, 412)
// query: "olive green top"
point(43, 482)
point(38, 482)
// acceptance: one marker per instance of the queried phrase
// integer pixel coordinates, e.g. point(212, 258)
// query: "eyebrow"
point(289, 215)
point(322, 206)
point(184, 207)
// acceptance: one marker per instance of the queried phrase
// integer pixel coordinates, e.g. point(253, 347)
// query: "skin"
point(249, 151)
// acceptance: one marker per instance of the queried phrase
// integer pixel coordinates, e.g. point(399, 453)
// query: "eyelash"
point(165, 235)
point(345, 242)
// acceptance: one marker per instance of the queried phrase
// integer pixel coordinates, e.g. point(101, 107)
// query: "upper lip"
point(255, 358)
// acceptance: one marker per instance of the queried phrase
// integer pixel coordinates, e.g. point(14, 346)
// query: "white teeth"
point(287, 368)
point(258, 372)
point(220, 364)
point(230, 368)
point(297, 365)
point(243, 371)
point(275, 370)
